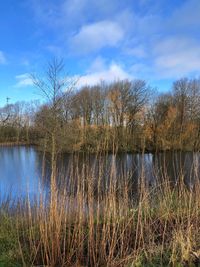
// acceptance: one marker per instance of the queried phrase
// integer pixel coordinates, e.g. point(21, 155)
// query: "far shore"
point(146, 151)
point(15, 144)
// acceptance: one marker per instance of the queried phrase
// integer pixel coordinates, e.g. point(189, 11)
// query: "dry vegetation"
point(95, 219)
point(128, 114)
point(98, 222)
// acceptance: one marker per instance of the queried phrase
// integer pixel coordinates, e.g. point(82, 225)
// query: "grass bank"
point(98, 222)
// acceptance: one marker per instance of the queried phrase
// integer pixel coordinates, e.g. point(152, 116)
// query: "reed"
point(93, 219)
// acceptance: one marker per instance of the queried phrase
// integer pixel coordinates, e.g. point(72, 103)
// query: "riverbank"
point(139, 151)
point(78, 227)
point(16, 144)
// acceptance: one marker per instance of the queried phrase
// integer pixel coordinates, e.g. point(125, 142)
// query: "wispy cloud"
point(2, 58)
point(23, 80)
point(95, 36)
point(186, 16)
point(158, 40)
point(99, 71)
point(177, 56)
point(25, 62)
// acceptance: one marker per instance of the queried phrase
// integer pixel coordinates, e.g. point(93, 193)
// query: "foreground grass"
point(158, 226)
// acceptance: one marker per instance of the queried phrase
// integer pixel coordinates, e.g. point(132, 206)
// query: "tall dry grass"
point(98, 218)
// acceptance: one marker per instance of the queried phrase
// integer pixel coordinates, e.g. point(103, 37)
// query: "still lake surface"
point(22, 170)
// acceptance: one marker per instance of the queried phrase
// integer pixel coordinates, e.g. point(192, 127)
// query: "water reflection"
point(23, 170)
point(19, 172)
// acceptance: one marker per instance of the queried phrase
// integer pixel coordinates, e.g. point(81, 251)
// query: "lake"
point(25, 170)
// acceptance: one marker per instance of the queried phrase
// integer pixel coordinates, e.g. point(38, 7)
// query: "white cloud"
point(93, 37)
point(25, 62)
point(98, 64)
point(69, 15)
point(146, 33)
point(54, 50)
point(176, 56)
point(186, 16)
point(136, 51)
point(166, 46)
point(2, 58)
point(23, 80)
point(107, 74)
point(74, 11)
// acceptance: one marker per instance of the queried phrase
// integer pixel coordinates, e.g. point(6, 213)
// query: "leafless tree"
point(54, 86)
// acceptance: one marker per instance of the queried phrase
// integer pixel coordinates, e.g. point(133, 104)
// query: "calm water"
point(22, 171)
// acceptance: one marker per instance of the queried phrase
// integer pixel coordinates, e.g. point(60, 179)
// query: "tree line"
point(123, 115)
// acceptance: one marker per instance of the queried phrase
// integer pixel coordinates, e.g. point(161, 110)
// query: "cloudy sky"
point(155, 40)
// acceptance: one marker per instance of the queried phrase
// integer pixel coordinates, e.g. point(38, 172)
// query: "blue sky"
point(155, 40)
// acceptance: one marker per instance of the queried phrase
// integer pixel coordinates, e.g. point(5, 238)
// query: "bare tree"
point(5, 113)
point(54, 85)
